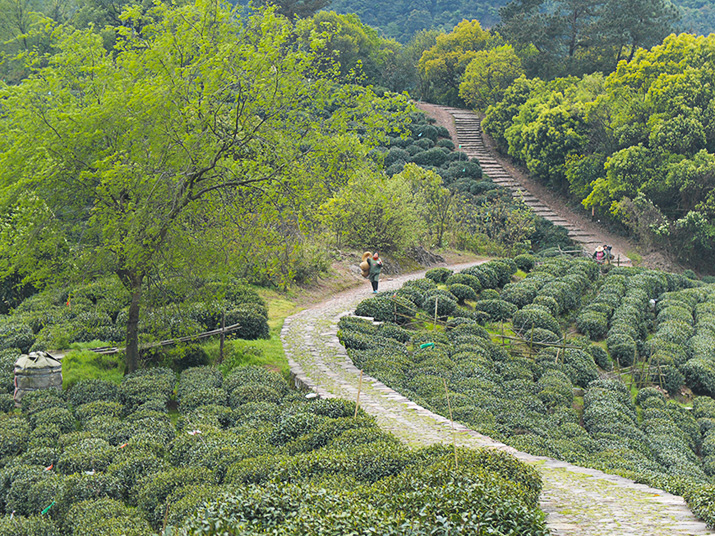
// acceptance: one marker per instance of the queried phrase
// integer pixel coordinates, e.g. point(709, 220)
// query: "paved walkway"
point(578, 501)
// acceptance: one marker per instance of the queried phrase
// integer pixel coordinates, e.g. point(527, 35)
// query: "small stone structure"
point(34, 371)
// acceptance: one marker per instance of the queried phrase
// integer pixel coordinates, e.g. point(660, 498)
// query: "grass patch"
point(266, 353)
point(83, 364)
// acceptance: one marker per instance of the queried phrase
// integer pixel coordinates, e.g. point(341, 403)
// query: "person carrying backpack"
point(375, 268)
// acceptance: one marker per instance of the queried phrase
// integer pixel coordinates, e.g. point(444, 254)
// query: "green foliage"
point(148, 384)
point(106, 517)
point(496, 310)
point(96, 390)
point(525, 262)
point(438, 275)
point(28, 526)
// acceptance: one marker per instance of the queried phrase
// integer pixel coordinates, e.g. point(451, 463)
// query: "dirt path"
point(578, 501)
point(465, 128)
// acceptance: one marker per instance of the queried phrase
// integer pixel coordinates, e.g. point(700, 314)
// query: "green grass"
point(265, 352)
point(83, 364)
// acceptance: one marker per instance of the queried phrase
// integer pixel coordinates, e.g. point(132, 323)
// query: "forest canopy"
point(636, 145)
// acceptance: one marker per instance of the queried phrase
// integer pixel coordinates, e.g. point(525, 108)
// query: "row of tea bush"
point(247, 455)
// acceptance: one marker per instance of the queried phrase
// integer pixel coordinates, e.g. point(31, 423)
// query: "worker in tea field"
point(599, 255)
point(375, 268)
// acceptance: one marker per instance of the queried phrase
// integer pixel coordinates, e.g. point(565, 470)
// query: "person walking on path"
point(375, 268)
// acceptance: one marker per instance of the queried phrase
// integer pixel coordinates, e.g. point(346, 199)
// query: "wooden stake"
point(436, 301)
point(223, 336)
point(357, 402)
point(451, 423)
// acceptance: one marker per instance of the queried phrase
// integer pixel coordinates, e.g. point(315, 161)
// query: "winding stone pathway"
point(578, 501)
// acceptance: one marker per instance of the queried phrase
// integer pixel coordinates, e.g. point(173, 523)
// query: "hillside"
point(402, 19)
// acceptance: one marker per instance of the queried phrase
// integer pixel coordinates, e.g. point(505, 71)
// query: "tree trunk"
point(132, 347)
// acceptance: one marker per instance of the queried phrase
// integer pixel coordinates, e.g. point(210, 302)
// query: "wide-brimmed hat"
point(599, 248)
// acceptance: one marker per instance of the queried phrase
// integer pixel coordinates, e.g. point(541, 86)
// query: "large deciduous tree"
point(110, 159)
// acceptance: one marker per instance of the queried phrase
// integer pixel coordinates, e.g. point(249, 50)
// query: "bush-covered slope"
point(247, 454)
point(516, 370)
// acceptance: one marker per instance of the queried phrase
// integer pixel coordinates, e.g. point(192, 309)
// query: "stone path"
point(470, 140)
point(578, 501)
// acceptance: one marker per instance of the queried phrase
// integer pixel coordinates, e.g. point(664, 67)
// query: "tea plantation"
point(608, 370)
point(247, 455)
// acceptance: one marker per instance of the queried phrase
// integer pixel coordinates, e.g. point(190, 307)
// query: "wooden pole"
point(451, 423)
point(436, 302)
point(223, 336)
point(357, 402)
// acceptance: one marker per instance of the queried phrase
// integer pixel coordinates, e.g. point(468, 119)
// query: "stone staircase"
point(469, 134)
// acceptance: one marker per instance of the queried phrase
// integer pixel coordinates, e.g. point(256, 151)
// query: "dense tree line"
point(402, 19)
point(636, 145)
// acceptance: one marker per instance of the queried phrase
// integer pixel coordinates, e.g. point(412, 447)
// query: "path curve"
point(578, 501)
point(466, 132)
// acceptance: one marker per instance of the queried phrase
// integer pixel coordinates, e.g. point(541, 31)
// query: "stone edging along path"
point(578, 501)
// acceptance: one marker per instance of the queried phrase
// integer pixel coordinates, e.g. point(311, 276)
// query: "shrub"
point(520, 294)
point(253, 374)
point(153, 490)
point(16, 335)
point(421, 284)
point(253, 392)
point(443, 305)
point(622, 348)
point(202, 397)
point(383, 309)
point(438, 275)
point(105, 517)
point(130, 467)
point(87, 455)
point(28, 526)
point(525, 319)
point(525, 262)
point(60, 417)
point(251, 320)
point(393, 331)
point(497, 310)
point(85, 391)
point(600, 357)
point(549, 303)
point(700, 376)
point(648, 393)
point(592, 324)
point(42, 399)
point(99, 408)
point(489, 294)
point(462, 293)
point(7, 402)
point(144, 385)
point(464, 279)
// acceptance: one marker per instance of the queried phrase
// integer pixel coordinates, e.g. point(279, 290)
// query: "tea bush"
point(106, 517)
point(464, 279)
point(28, 526)
point(438, 275)
point(87, 455)
point(86, 391)
point(15, 335)
point(526, 319)
point(496, 310)
point(144, 385)
point(525, 262)
point(462, 293)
